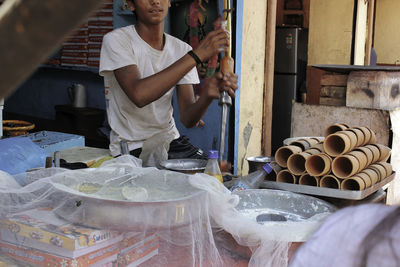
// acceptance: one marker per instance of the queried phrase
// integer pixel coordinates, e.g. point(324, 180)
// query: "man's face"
point(150, 11)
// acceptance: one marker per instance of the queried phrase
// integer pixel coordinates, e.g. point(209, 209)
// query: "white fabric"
point(123, 47)
point(339, 240)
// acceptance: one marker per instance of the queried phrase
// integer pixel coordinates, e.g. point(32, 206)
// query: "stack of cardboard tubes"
point(349, 158)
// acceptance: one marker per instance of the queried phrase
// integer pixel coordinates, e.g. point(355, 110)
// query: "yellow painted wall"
point(387, 34)
point(330, 31)
point(252, 81)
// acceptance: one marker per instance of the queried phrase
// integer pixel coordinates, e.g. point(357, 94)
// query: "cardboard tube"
point(359, 134)
point(333, 128)
point(352, 136)
point(372, 140)
point(312, 151)
point(345, 166)
point(329, 181)
point(319, 164)
point(337, 144)
point(285, 176)
point(353, 183)
point(283, 153)
point(375, 152)
point(319, 139)
point(297, 163)
point(307, 179)
point(310, 141)
point(384, 152)
point(367, 134)
point(380, 169)
point(366, 178)
point(388, 167)
point(319, 146)
point(275, 170)
point(368, 153)
point(303, 144)
point(373, 174)
point(361, 157)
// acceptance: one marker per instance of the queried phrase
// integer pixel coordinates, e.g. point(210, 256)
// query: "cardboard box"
point(43, 259)
point(56, 141)
point(44, 226)
point(137, 248)
point(18, 240)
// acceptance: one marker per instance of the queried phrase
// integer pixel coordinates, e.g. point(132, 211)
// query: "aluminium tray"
point(328, 192)
point(184, 165)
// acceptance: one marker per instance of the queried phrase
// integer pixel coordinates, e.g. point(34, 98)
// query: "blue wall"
point(47, 87)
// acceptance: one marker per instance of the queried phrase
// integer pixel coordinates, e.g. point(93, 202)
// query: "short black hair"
point(134, 11)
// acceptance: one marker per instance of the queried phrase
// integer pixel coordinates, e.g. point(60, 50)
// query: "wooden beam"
point(269, 77)
point(334, 79)
point(279, 12)
point(313, 81)
point(306, 9)
point(31, 31)
point(333, 91)
point(370, 32)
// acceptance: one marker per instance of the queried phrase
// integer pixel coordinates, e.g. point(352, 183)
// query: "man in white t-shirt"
point(141, 65)
point(365, 235)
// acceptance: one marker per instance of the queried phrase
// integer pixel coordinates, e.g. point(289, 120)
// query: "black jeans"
point(179, 148)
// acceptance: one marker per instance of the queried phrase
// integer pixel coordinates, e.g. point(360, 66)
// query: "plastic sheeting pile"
point(124, 215)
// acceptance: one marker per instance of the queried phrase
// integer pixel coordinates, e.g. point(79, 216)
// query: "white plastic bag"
point(155, 149)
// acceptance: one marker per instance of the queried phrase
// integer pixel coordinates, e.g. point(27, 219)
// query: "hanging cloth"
point(196, 35)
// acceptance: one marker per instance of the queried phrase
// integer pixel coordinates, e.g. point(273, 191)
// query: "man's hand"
point(222, 82)
point(216, 41)
point(225, 166)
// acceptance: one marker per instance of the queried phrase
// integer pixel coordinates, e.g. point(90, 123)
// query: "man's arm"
point(146, 90)
point(192, 111)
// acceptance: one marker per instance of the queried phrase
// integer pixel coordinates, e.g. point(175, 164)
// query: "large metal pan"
point(293, 217)
point(179, 208)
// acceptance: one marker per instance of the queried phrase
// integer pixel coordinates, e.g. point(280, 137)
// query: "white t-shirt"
point(123, 47)
point(339, 241)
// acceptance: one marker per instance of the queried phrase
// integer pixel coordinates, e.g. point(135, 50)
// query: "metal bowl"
point(294, 216)
point(185, 165)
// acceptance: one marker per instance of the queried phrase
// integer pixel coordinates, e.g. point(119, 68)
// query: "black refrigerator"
point(289, 79)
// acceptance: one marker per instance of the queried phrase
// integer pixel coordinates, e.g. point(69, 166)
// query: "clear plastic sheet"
point(269, 243)
point(154, 217)
point(7, 181)
point(155, 149)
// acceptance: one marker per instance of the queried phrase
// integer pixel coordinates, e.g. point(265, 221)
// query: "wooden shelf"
point(90, 69)
point(293, 12)
point(292, 17)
